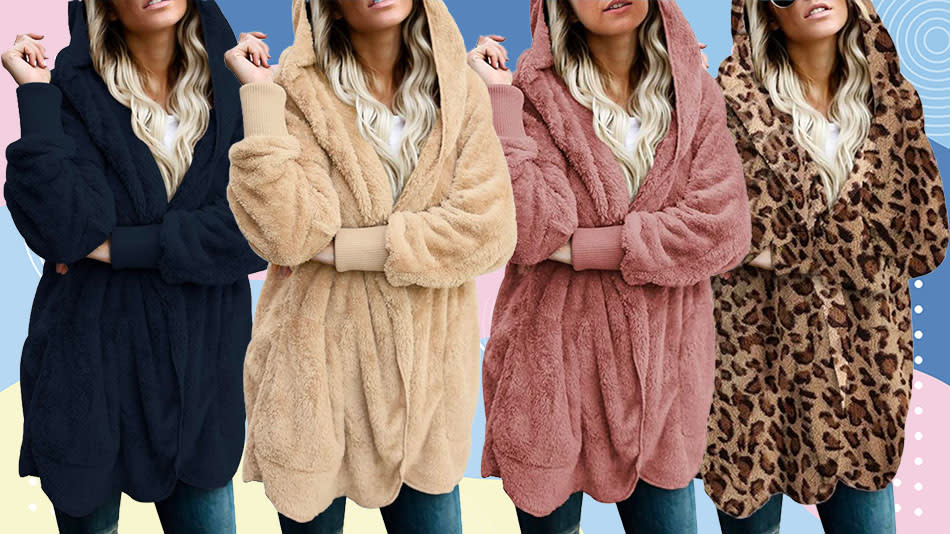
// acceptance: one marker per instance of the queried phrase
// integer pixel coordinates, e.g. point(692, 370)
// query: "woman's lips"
point(617, 7)
point(822, 10)
point(156, 5)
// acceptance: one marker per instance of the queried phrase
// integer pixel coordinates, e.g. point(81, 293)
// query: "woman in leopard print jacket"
point(815, 354)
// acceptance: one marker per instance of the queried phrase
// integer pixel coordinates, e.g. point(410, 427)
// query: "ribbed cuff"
point(360, 249)
point(263, 108)
point(136, 247)
point(507, 103)
point(597, 248)
point(40, 109)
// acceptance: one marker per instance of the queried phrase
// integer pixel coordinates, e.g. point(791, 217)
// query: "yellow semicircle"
point(485, 507)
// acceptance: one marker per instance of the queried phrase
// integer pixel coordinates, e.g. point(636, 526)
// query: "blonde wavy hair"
point(189, 99)
point(415, 98)
point(850, 107)
point(651, 100)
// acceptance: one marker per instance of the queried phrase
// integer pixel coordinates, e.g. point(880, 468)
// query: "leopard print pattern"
point(815, 358)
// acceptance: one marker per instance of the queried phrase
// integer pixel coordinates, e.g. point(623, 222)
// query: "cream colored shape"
point(485, 507)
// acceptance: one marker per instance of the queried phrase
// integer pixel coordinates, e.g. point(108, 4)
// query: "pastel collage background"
point(921, 29)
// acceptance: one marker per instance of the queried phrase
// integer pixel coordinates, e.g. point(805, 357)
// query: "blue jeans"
point(413, 512)
point(650, 510)
point(188, 510)
point(847, 511)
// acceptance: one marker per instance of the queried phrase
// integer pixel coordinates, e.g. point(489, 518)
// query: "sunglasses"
point(781, 4)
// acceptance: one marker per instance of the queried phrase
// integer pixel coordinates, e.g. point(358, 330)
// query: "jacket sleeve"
point(283, 199)
point(775, 226)
point(764, 196)
point(200, 246)
point(912, 222)
point(472, 231)
point(545, 207)
point(56, 189)
point(705, 233)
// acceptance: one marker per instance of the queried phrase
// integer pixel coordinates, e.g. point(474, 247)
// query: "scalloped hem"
point(539, 491)
point(302, 496)
point(827, 491)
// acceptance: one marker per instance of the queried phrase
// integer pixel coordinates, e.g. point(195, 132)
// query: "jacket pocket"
point(291, 423)
point(460, 373)
point(68, 418)
point(531, 413)
point(697, 366)
point(233, 349)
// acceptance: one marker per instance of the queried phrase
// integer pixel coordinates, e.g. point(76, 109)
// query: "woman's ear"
point(336, 13)
point(770, 17)
point(111, 15)
point(571, 15)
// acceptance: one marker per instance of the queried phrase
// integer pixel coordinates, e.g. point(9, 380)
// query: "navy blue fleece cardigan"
point(131, 374)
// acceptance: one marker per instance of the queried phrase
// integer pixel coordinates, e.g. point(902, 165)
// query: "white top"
point(834, 134)
point(633, 132)
point(395, 133)
point(171, 132)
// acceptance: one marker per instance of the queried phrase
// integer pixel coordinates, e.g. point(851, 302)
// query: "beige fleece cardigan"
point(364, 377)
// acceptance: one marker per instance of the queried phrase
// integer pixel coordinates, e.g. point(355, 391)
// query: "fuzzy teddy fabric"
point(364, 377)
point(599, 375)
point(815, 357)
point(131, 372)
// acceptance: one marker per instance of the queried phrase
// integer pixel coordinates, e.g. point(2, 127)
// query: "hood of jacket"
point(106, 119)
point(881, 52)
point(541, 85)
point(896, 111)
point(75, 60)
point(448, 49)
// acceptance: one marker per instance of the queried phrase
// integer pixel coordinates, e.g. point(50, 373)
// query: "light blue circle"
point(927, 39)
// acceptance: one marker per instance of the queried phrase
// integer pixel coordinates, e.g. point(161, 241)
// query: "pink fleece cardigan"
point(602, 374)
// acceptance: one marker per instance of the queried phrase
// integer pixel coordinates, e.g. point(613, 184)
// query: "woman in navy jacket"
point(131, 374)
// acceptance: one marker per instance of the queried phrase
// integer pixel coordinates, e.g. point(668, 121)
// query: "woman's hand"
point(702, 46)
point(489, 59)
point(26, 60)
point(327, 256)
point(563, 254)
point(249, 59)
point(763, 261)
point(102, 253)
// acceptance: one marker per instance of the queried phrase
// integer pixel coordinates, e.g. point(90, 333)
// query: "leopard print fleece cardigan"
point(815, 358)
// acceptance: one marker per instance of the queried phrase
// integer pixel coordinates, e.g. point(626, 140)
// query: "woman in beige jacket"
point(372, 181)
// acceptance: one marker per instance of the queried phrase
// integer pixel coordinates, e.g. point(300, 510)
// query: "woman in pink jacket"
point(629, 196)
